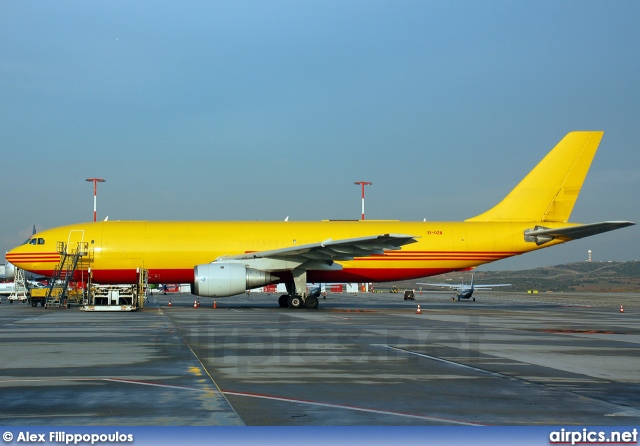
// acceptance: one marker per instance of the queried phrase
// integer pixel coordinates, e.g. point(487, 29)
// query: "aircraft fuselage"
point(170, 250)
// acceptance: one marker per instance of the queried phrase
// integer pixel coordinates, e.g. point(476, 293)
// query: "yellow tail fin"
point(550, 190)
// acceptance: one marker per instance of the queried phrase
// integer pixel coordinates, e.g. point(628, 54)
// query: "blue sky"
point(257, 110)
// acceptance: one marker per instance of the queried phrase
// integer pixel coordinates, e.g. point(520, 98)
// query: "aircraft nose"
point(13, 259)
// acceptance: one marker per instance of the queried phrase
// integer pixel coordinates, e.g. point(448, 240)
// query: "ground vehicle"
point(38, 296)
point(409, 295)
point(57, 297)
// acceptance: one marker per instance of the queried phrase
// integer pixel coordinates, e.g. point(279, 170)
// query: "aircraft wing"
point(444, 285)
point(452, 286)
point(329, 250)
point(542, 235)
point(489, 286)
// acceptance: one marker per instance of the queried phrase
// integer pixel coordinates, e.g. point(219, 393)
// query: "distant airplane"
point(7, 288)
point(466, 291)
point(226, 258)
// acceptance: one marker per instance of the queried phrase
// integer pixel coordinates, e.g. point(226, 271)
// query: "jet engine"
point(7, 271)
point(227, 279)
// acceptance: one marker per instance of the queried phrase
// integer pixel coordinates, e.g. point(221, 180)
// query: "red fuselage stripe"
point(358, 274)
point(186, 275)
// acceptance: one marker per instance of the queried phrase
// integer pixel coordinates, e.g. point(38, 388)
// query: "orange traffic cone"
point(215, 305)
point(418, 310)
point(195, 304)
point(621, 309)
point(170, 302)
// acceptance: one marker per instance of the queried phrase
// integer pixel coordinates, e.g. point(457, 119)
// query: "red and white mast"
point(363, 184)
point(95, 194)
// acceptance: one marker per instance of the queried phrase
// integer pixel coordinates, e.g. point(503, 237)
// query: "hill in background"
point(614, 277)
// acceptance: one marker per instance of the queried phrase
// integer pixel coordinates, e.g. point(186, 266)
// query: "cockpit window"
point(34, 241)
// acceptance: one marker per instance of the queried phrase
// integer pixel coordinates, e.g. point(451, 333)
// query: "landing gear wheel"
point(311, 303)
point(283, 301)
point(474, 299)
point(295, 302)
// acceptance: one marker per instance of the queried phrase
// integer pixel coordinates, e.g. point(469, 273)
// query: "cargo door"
point(75, 240)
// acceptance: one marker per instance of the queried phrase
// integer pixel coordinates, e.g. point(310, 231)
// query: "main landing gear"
point(311, 303)
point(296, 301)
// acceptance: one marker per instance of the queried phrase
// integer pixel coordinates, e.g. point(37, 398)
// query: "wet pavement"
point(369, 359)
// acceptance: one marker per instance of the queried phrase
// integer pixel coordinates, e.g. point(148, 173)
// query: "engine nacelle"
point(227, 279)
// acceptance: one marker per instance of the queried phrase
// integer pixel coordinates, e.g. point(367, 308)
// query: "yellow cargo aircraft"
point(226, 258)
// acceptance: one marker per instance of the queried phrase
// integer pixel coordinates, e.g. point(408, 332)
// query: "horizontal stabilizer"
point(543, 235)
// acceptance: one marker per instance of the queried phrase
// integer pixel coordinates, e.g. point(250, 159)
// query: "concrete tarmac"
point(506, 359)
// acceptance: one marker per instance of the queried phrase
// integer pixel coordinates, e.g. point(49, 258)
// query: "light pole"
point(363, 184)
point(95, 193)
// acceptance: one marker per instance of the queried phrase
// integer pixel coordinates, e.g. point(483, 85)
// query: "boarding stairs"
point(70, 260)
point(19, 292)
